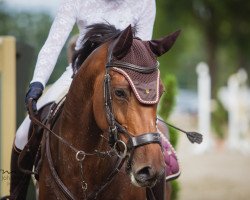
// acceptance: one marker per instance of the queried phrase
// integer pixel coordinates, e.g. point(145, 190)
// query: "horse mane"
point(96, 35)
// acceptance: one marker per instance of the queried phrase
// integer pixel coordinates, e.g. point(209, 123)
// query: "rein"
point(80, 156)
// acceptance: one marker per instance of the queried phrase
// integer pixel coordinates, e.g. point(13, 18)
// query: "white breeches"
point(57, 91)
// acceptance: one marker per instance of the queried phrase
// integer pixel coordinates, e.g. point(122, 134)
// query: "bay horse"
point(104, 142)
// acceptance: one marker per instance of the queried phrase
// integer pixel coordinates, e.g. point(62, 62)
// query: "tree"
point(167, 103)
point(32, 29)
point(222, 27)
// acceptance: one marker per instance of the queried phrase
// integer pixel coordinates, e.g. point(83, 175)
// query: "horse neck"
point(77, 117)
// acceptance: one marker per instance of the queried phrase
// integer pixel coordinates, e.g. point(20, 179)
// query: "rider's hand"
point(34, 93)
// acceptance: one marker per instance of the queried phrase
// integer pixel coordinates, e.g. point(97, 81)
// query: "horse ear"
point(161, 46)
point(123, 43)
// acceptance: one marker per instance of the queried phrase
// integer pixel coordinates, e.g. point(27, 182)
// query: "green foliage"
point(219, 120)
point(28, 27)
point(32, 29)
point(175, 190)
point(174, 136)
point(167, 104)
point(211, 30)
point(168, 98)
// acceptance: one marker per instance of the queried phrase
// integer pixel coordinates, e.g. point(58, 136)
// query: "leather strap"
point(143, 70)
point(58, 181)
point(109, 179)
point(60, 184)
point(144, 139)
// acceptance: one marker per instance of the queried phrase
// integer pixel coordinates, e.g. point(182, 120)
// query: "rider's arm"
point(146, 20)
point(59, 32)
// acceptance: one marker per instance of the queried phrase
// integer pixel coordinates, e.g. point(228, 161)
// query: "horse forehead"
point(118, 78)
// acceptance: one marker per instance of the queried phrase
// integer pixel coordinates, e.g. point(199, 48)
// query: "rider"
point(119, 13)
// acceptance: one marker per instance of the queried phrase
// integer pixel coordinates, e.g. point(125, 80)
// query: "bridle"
point(114, 131)
point(115, 128)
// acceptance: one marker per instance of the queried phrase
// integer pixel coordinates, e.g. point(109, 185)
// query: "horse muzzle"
point(146, 177)
point(146, 162)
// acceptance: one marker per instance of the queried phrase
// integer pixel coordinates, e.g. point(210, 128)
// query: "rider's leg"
point(19, 181)
point(22, 134)
point(54, 93)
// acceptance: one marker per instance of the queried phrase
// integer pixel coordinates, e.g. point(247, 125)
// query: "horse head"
point(108, 118)
point(126, 108)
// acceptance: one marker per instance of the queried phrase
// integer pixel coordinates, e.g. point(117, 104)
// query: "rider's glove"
point(34, 93)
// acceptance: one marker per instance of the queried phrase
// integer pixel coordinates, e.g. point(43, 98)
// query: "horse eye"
point(120, 93)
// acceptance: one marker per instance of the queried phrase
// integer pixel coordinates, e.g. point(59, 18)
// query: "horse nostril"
point(145, 174)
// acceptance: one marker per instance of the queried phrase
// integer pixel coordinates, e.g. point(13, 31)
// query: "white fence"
point(236, 99)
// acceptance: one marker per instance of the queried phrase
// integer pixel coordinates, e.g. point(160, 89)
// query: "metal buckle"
point(119, 154)
point(80, 156)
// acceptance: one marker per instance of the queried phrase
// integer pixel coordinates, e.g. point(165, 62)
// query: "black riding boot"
point(19, 181)
point(158, 191)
